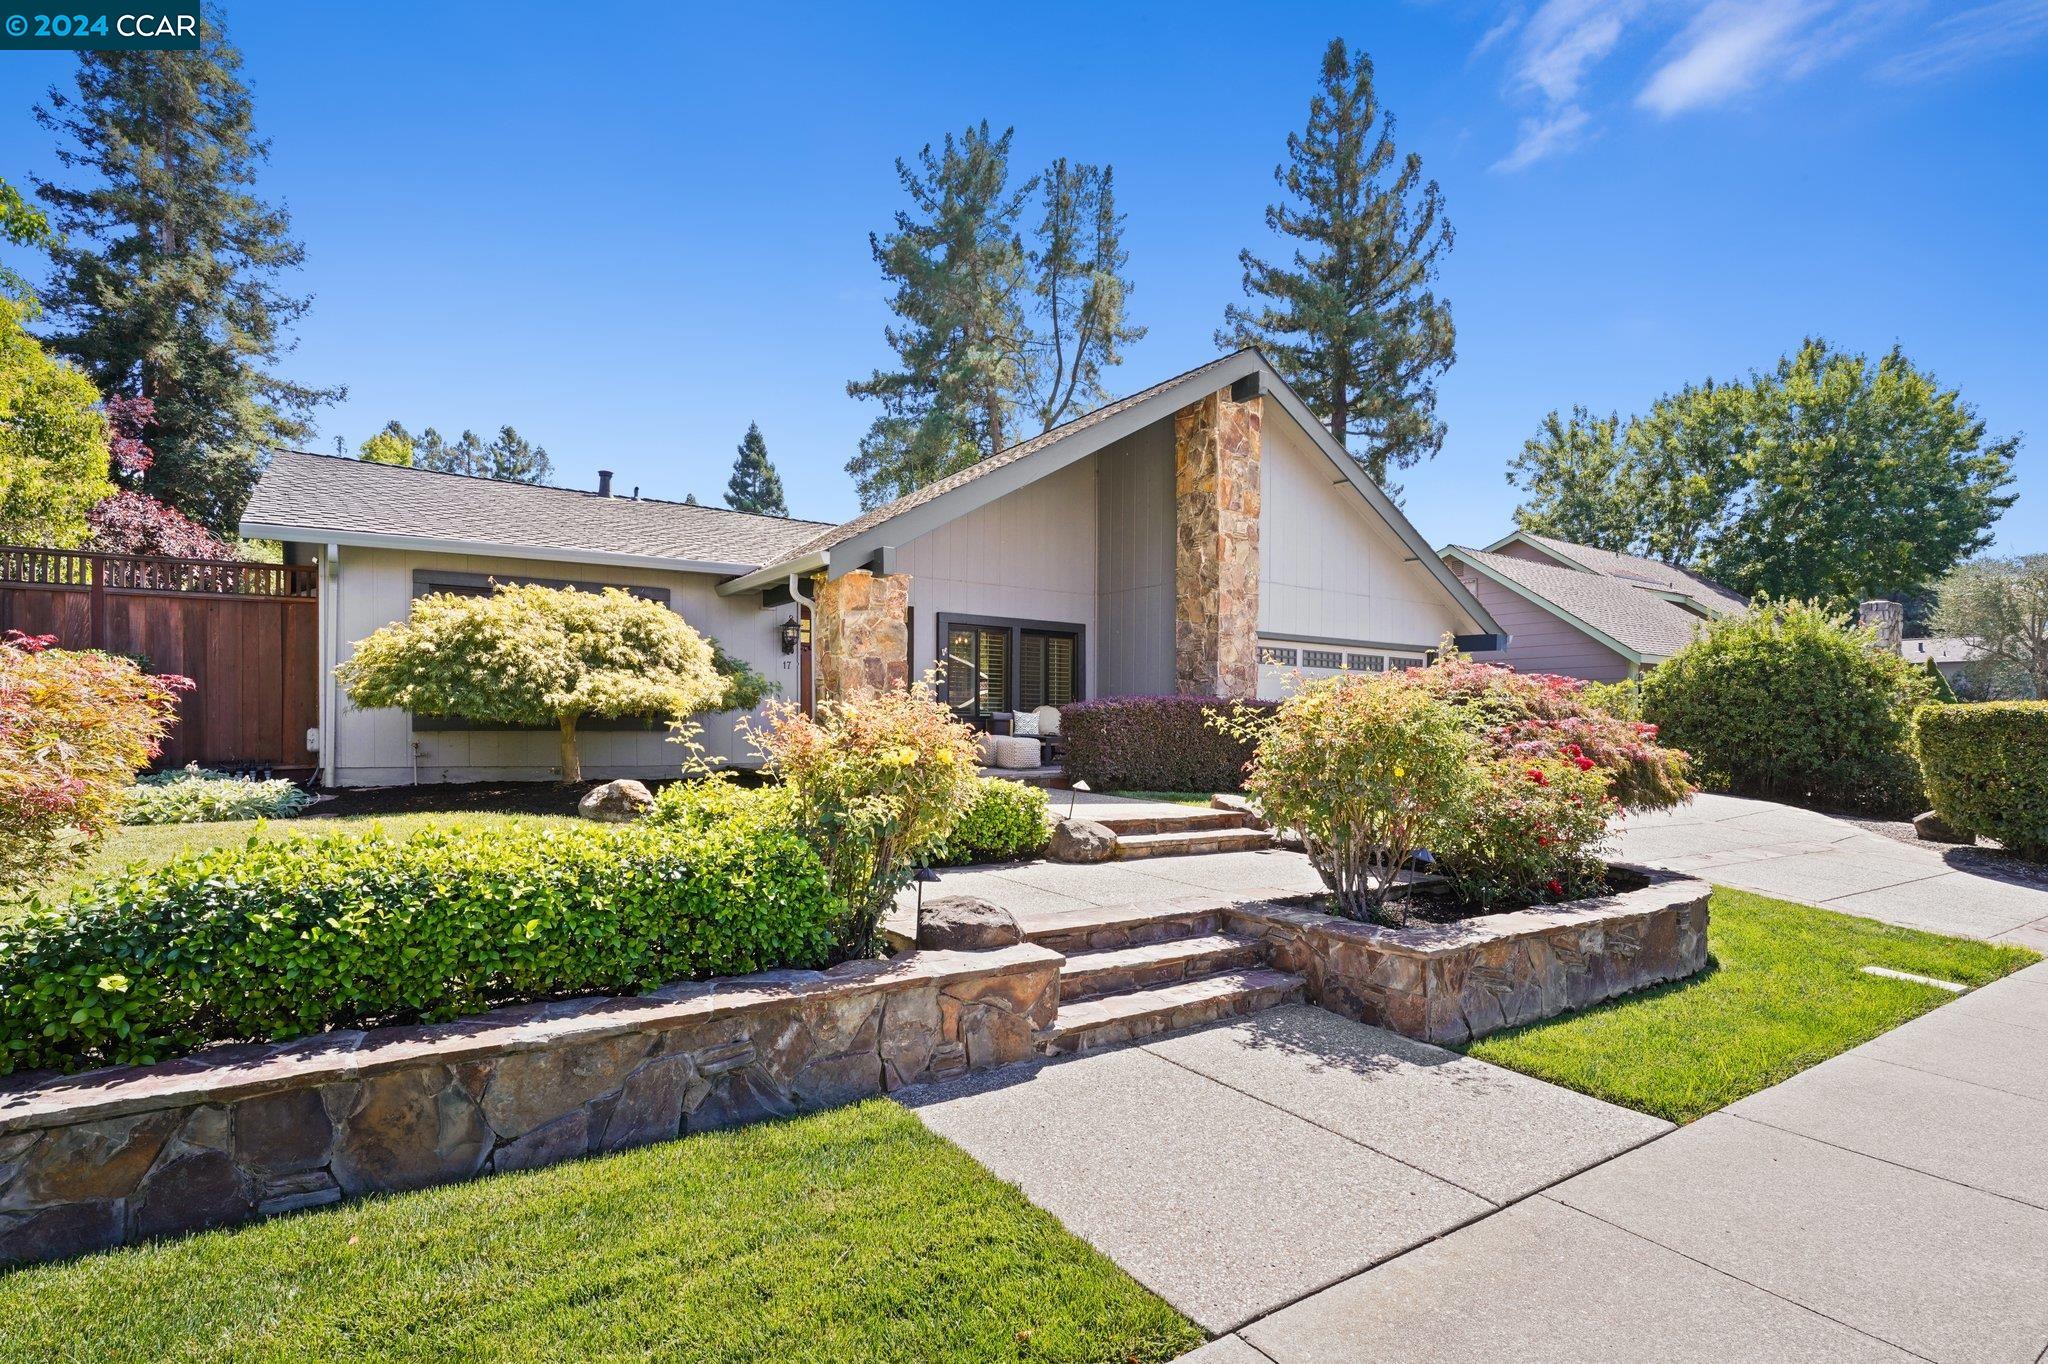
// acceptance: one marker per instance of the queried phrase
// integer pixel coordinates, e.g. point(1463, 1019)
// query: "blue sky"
point(629, 234)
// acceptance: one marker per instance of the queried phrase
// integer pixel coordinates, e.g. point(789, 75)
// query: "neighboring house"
point(1586, 612)
point(1952, 655)
point(1169, 541)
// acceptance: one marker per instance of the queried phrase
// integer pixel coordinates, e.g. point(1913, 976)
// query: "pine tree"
point(165, 284)
point(1080, 288)
point(755, 486)
point(510, 456)
point(1351, 321)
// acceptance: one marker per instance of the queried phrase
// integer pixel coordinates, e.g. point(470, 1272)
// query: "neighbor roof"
point(1634, 568)
point(1941, 649)
point(350, 501)
point(1640, 625)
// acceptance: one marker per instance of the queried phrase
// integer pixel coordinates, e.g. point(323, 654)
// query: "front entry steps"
point(1198, 831)
point(1134, 972)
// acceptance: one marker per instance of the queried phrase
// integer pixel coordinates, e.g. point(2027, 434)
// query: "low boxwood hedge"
point(1986, 768)
point(275, 940)
point(1154, 743)
point(1007, 821)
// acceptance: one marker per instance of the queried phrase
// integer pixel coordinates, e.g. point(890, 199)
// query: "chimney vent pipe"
point(604, 483)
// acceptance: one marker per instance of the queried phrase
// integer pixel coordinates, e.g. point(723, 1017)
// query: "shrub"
point(876, 785)
point(692, 807)
point(1986, 767)
point(1157, 743)
point(1367, 769)
point(273, 940)
point(1006, 820)
point(194, 795)
point(1532, 830)
point(1791, 703)
point(75, 728)
point(1541, 715)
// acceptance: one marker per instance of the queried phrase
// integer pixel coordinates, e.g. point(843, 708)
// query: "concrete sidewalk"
point(1236, 1169)
point(1891, 1203)
point(1819, 859)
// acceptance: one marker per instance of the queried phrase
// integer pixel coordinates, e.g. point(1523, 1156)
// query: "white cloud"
point(1564, 39)
point(1729, 47)
point(1967, 37)
point(1541, 137)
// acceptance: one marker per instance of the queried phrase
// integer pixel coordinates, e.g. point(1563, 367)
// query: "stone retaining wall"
point(1450, 983)
point(94, 1160)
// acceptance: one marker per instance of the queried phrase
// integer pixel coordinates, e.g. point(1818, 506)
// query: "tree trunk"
point(572, 762)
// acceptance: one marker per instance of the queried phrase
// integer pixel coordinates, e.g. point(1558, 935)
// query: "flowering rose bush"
point(876, 785)
point(75, 728)
point(1532, 831)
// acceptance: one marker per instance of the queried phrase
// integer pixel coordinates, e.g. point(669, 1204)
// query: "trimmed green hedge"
point(1986, 767)
point(1155, 743)
point(1007, 821)
point(275, 940)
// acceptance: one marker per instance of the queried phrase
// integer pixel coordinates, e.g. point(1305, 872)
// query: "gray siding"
point(1541, 642)
point(1134, 564)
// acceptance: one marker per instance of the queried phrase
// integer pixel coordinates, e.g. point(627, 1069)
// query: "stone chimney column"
point(1888, 618)
point(1216, 452)
point(860, 635)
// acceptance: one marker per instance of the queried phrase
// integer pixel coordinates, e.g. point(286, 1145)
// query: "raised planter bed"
point(1450, 983)
point(236, 1132)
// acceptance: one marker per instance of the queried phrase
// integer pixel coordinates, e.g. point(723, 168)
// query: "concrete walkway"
point(1236, 1169)
point(1820, 860)
point(1891, 1203)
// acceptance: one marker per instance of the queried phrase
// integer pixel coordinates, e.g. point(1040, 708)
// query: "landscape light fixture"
point(1074, 794)
point(924, 874)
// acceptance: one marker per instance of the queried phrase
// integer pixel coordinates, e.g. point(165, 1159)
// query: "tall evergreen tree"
point(510, 456)
point(995, 341)
point(755, 486)
point(166, 280)
point(1351, 321)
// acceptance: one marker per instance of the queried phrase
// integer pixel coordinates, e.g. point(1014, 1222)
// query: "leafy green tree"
point(21, 224)
point(166, 278)
point(755, 486)
point(2002, 604)
point(1350, 320)
point(538, 656)
point(509, 456)
point(53, 442)
point(1833, 476)
point(995, 340)
point(386, 448)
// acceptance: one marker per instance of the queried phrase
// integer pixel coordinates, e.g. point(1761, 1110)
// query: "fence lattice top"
point(150, 573)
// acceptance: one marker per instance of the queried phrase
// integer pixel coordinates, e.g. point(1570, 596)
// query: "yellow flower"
point(114, 984)
point(1399, 771)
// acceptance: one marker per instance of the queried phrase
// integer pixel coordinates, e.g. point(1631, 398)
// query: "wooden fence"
point(245, 633)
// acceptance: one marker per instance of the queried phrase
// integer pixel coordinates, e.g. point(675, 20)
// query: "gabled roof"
point(1941, 649)
point(881, 529)
point(1650, 573)
point(1641, 626)
point(348, 501)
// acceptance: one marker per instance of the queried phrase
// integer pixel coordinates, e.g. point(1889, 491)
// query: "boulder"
point(616, 802)
point(961, 923)
point(1932, 828)
point(1080, 840)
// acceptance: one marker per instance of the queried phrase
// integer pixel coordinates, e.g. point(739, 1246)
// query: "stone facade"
point(861, 634)
point(1216, 445)
point(1450, 983)
point(90, 1161)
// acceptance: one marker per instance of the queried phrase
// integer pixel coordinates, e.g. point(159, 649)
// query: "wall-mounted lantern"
point(791, 633)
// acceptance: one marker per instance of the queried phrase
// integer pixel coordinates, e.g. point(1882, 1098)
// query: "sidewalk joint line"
point(1942, 1075)
point(1885, 1160)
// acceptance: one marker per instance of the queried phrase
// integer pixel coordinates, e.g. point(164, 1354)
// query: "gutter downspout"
point(330, 610)
point(811, 657)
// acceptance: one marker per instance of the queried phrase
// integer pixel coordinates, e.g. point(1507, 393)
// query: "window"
point(1275, 657)
point(995, 667)
point(1368, 663)
point(1322, 658)
point(1404, 663)
point(977, 669)
point(1045, 670)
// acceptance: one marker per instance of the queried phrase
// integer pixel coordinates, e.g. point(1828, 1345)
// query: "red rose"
point(1554, 886)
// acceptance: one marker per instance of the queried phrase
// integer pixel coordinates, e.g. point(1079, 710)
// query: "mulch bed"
point(491, 797)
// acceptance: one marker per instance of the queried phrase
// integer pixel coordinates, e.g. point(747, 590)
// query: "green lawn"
point(850, 1235)
point(1784, 990)
point(1170, 797)
point(160, 842)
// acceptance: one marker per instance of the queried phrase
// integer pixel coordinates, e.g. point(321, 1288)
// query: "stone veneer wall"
point(1216, 546)
point(861, 639)
point(95, 1160)
point(1450, 983)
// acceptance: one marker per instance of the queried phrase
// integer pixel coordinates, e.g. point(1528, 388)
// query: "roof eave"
point(434, 544)
point(1535, 598)
point(774, 575)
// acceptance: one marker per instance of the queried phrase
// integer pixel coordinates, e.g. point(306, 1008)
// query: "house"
point(1205, 535)
point(1586, 612)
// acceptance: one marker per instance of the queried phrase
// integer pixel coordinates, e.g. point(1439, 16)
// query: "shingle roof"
point(1638, 620)
point(1638, 569)
point(333, 493)
point(1022, 450)
point(1941, 649)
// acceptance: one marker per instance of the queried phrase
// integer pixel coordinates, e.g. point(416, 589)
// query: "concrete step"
point(1088, 974)
point(1130, 847)
point(1193, 821)
point(1089, 1024)
point(1111, 926)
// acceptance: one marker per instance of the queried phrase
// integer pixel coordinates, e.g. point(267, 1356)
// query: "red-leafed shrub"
point(1156, 743)
point(136, 523)
point(75, 728)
